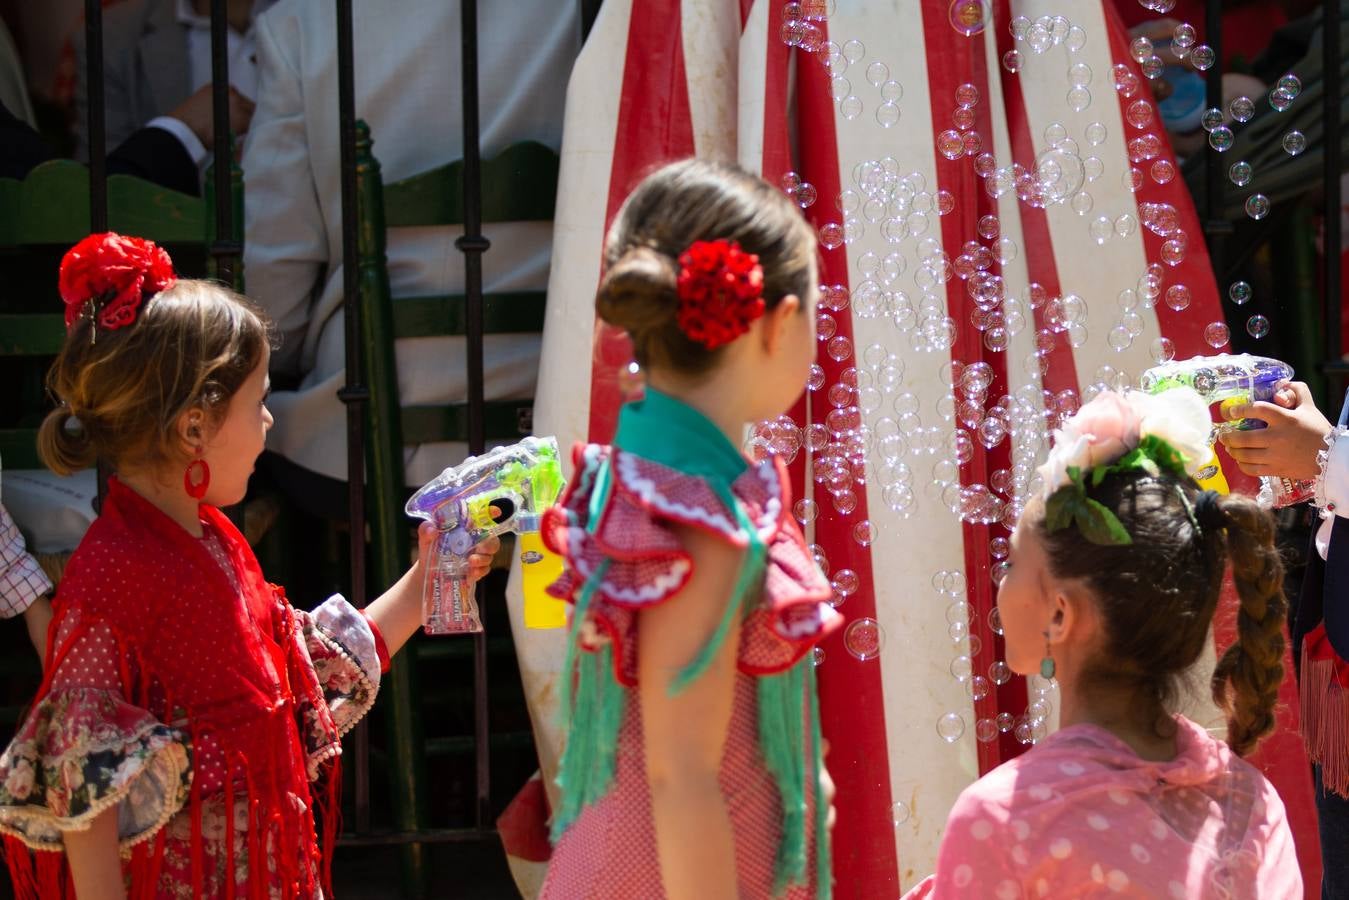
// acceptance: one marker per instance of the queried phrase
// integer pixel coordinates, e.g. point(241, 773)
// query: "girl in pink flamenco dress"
point(693, 766)
point(1116, 571)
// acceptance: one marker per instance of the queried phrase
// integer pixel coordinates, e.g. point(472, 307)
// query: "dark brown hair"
point(1157, 596)
point(122, 391)
point(676, 205)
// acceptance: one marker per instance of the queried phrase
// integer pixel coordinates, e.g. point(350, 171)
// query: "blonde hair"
point(121, 392)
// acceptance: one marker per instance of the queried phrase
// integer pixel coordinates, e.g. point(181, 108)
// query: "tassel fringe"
point(1325, 721)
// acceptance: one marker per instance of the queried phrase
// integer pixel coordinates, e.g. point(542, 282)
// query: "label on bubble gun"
point(540, 567)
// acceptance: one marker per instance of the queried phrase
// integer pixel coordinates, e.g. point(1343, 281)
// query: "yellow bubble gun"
point(1231, 380)
point(503, 491)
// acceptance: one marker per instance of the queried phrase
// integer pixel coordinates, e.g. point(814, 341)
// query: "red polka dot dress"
point(183, 690)
point(614, 527)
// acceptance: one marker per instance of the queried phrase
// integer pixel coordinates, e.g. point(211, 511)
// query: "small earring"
point(1047, 667)
point(197, 478)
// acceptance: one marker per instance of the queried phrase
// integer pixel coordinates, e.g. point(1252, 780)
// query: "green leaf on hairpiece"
point(1099, 525)
point(1059, 508)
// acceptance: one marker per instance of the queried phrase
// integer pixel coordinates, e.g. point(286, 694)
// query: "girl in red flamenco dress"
point(693, 767)
point(187, 708)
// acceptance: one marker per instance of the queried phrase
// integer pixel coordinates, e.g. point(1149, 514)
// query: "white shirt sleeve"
point(186, 136)
point(1332, 493)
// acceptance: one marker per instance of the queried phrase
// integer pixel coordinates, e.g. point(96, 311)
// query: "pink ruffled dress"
point(626, 543)
point(1081, 815)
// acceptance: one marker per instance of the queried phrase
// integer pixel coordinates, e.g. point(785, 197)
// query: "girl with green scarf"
point(693, 767)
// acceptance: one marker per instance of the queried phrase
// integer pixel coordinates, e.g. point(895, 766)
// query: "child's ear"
point(1067, 617)
point(777, 320)
point(190, 430)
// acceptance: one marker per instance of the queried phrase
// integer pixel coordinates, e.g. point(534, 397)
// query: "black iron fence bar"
point(354, 393)
point(473, 244)
point(224, 249)
point(98, 149)
point(1332, 302)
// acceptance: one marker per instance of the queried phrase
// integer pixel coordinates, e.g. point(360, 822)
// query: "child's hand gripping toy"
point(1231, 380)
point(504, 490)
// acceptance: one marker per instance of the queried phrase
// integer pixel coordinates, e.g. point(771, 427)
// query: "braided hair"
point(1157, 596)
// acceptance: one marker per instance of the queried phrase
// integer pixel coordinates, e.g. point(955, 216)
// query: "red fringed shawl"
point(184, 694)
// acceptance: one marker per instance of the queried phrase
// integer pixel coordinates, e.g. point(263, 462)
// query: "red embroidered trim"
point(381, 648)
point(114, 273)
point(720, 292)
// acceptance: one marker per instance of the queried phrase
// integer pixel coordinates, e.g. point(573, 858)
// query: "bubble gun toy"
point(504, 490)
point(1231, 380)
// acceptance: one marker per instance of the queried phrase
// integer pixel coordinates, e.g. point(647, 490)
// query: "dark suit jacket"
point(149, 153)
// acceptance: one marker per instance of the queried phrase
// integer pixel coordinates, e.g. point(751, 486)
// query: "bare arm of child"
point(37, 618)
point(1287, 448)
point(398, 611)
point(95, 861)
point(685, 734)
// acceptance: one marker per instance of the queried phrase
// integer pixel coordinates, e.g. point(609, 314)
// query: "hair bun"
point(639, 291)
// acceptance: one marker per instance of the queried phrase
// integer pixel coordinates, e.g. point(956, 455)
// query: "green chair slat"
point(38, 334)
point(18, 448)
point(507, 420)
point(516, 313)
point(518, 185)
point(52, 207)
point(461, 745)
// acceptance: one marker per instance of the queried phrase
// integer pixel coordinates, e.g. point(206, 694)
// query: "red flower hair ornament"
point(107, 277)
point(720, 291)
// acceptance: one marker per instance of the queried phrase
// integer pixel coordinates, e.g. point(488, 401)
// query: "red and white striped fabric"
point(661, 80)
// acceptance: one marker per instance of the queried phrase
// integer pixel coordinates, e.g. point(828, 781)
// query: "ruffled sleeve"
point(84, 748)
point(341, 650)
point(615, 526)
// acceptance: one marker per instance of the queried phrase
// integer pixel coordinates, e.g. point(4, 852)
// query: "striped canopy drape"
point(1002, 232)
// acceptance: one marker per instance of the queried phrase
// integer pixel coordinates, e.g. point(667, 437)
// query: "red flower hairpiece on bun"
point(720, 292)
point(115, 274)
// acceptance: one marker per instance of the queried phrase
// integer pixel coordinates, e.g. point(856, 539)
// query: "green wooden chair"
point(518, 185)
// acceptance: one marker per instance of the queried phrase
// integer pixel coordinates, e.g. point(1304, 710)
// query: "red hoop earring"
point(197, 478)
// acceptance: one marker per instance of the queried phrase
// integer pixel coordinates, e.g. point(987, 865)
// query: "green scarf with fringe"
point(666, 431)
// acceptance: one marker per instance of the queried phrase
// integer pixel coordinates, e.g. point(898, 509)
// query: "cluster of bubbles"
point(872, 428)
point(968, 645)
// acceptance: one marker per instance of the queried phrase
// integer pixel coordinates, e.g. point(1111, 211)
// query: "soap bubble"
point(1216, 335)
point(892, 92)
point(1076, 39)
point(1152, 67)
point(878, 73)
point(1211, 118)
point(1240, 173)
point(951, 727)
point(1280, 100)
point(1163, 171)
point(951, 144)
point(999, 672)
point(863, 638)
point(831, 235)
point(1079, 74)
point(1178, 297)
point(887, 115)
point(1290, 84)
point(1202, 57)
point(851, 107)
point(1140, 49)
point(806, 511)
point(1095, 133)
point(986, 730)
point(1242, 108)
point(1119, 338)
point(1184, 37)
point(1012, 61)
point(1139, 114)
point(1221, 138)
point(969, 17)
point(1257, 326)
point(1257, 206)
point(1126, 82)
point(854, 50)
point(1294, 142)
point(1240, 293)
point(967, 95)
point(1163, 350)
point(1079, 98)
point(899, 812)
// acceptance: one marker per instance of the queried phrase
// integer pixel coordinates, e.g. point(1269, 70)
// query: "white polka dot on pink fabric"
point(1061, 848)
point(1117, 881)
point(981, 830)
point(1098, 822)
point(1008, 890)
point(962, 875)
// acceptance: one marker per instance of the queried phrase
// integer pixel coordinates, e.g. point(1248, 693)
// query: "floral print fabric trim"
point(79, 753)
point(342, 649)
